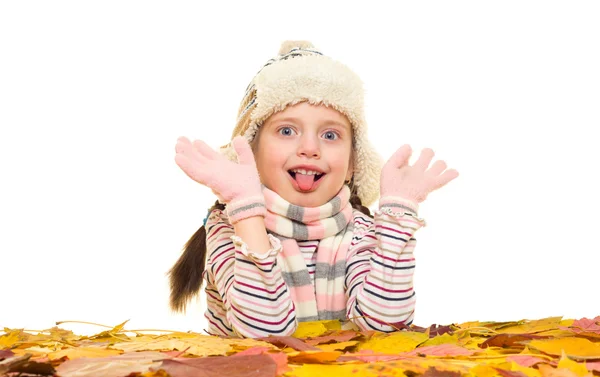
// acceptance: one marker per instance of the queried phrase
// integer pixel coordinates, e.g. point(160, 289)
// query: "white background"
point(93, 96)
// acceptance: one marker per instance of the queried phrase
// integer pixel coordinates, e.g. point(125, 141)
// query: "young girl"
point(290, 238)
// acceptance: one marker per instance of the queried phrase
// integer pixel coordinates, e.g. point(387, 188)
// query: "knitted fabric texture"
point(301, 73)
point(329, 223)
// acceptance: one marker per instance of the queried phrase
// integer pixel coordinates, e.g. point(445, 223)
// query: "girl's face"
point(303, 153)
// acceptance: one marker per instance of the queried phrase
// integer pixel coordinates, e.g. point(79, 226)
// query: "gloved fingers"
point(424, 159)
point(437, 168)
point(400, 157)
point(207, 152)
point(243, 150)
point(448, 176)
point(193, 168)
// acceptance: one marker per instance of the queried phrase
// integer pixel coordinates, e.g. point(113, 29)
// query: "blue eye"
point(286, 131)
point(330, 135)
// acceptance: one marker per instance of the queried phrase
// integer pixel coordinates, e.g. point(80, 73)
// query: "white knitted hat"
point(302, 73)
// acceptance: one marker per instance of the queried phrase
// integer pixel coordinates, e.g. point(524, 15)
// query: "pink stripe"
point(331, 302)
point(388, 290)
point(377, 227)
point(255, 302)
point(236, 324)
point(393, 259)
point(261, 289)
point(223, 252)
point(275, 323)
point(304, 293)
point(377, 304)
point(217, 230)
point(249, 273)
point(316, 231)
point(222, 264)
point(356, 276)
point(216, 325)
point(391, 244)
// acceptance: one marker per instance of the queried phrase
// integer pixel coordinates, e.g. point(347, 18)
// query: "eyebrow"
point(326, 123)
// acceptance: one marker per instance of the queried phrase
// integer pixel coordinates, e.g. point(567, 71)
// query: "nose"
point(309, 147)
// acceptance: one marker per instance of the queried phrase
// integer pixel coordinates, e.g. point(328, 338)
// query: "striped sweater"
point(247, 296)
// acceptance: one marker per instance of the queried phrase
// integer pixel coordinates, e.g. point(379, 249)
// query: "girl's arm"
point(380, 268)
point(381, 264)
point(246, 294)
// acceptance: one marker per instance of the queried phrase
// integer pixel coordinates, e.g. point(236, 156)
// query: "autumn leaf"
point(339, 337)
point(241, 366)
point(289, 341)
point(313, 357)
point(532, 326)
point(397, 342)
point(310, 329)
point(546, 347)
point(4, 354)
point(526, 360)
point(441, 339)
point(440, 350)
point(338, 346)
point(114, 366)
point(573, 366)
point(509, 340)
point(78, 352)
point(577, 348)
point(197, 344)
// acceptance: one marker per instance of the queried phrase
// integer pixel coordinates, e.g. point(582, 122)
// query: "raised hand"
point(230, 181)
point(414, 182)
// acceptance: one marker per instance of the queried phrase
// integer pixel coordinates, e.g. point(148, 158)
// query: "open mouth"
point(306, 182)
point(317, 176)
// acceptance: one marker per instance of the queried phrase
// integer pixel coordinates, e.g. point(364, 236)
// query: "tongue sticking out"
point(305, 181)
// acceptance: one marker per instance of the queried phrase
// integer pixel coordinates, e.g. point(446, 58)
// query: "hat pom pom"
point(287, 46)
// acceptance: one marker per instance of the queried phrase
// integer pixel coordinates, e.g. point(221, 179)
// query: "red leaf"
point(528, 361)
point(440, 350)
point(242, 366)
point(587, 325)
point(593, 366)
point(252, 351)
point(288, 341)
point(5, 354)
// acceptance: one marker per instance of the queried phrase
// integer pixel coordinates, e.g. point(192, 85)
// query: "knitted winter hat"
point(302, 73)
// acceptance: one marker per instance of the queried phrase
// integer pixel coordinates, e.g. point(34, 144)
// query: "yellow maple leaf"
point(577, 348)
point(9, 339)
point(401, 341)
point(78, 352)
point(535, 326)
point(199, 345)
point(483, 370)
point(441, 339)
point(573, 366)
point(310, 329)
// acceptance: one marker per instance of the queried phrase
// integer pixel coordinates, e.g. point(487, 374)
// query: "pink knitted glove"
point(412, 183)
point(236, 184)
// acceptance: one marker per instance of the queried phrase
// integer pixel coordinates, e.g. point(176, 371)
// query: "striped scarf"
point(331, 225)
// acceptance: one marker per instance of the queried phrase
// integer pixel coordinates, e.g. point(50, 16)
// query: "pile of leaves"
point(545, 347)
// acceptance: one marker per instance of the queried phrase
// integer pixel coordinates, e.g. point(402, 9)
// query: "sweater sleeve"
point(246, 294)
point(380, 267)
